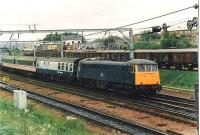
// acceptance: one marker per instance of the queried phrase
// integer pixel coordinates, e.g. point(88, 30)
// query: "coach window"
point(66, 67)
point(148, 68)
point(62, 68)
point(141, 68)
point(154, 68)
point(71, 68)
point(58, 66)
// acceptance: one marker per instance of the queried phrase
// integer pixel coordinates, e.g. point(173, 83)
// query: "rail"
point(93, 115)
point(175, 110)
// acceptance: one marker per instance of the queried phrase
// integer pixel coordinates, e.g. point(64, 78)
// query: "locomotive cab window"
point(141, 68)
point(154, 68)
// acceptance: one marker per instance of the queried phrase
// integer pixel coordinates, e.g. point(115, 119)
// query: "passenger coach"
point(63, 69)
point(19, 64)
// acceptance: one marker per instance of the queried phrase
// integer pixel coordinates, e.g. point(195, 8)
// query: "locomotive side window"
point(154, 68)
point(141, 68)
point(148, 68)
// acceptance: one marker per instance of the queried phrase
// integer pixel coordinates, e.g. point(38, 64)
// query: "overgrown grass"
point(179, 79)
point(37, 121)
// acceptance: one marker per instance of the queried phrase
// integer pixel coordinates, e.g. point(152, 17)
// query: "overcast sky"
point(58, 14)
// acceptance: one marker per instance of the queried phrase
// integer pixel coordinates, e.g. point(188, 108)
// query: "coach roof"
point(59, 59)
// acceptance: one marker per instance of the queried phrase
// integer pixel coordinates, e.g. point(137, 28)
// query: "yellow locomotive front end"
point(147, 78)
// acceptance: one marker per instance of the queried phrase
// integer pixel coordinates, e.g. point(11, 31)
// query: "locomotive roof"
point(141, 61)
point(109, 62)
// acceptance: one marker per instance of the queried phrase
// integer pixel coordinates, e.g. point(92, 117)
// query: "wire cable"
point(156, 17)
point(167, 14)
point(142, 21)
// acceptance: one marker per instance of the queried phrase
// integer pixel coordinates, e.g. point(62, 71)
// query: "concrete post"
point(20, 99)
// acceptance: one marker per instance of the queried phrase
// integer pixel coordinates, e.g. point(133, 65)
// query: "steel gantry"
point(63, 30)
point(95, 32)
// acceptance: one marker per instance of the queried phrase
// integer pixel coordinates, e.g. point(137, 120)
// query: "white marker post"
point(20, 99)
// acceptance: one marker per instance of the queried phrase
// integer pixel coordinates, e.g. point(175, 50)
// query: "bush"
point(148, 36)
point(171, 40)
point(146, 45)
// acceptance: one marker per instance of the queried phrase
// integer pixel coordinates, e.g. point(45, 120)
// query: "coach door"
point(70, 67)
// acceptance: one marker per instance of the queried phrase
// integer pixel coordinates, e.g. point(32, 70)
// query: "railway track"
point(93, 115)
point(175, 100)
point(169, 107)
point(184, 112)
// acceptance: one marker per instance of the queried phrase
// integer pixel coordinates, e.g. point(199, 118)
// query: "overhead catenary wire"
point(173, 24)
point(142, 21)
point(138, 22)
point(19, 24)
point(157, 17)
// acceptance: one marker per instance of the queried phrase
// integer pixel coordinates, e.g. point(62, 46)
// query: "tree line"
point(166, 40)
